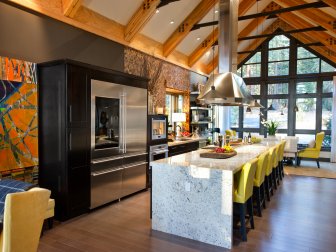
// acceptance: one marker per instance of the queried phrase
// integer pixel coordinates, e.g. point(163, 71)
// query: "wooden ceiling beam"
point(315, 16)
point(184, 28)
point(244, 6)
point(70, 7)
point(213, 37)
point(298, 23)
point(140, 18)
point(331, 3)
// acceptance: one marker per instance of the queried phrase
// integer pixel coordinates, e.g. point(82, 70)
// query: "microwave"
point(158, 129)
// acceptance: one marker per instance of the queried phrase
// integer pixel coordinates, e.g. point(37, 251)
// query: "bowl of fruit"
point(220, 152)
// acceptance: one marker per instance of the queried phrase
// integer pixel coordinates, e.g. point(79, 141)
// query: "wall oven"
point(158, 129)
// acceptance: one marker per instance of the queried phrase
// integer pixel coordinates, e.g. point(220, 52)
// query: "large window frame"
point(292, 79)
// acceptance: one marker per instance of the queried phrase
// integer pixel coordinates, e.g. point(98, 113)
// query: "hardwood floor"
point(300, 217)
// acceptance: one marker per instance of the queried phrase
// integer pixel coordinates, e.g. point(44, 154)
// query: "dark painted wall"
point(38, 39)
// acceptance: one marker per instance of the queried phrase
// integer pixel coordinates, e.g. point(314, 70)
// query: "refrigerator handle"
point(121, 125)
point(125, 122)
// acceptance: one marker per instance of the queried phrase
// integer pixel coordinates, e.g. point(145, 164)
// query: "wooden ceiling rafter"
point(298, 23)
point(244, 6)
point(185, 27)
point(331, 3)
point(213, 37)
point(315, 16)
point(140, 18)
point(70, 7)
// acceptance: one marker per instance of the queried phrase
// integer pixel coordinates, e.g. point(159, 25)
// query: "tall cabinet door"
point(78, 97)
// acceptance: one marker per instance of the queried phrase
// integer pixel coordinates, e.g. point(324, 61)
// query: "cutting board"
point(212, 154)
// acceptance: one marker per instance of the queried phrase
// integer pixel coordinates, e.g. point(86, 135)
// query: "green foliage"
point(271, 126)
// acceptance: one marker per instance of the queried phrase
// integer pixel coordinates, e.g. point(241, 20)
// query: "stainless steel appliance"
point(118, 141)
point(158, 127)
point(158, 152)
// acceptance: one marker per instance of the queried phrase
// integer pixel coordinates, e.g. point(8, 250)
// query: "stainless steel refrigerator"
point(118, 141)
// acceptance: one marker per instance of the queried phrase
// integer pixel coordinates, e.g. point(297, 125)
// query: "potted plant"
point(271, 126)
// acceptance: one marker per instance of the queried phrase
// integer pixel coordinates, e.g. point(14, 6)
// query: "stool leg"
point(264, 194)
point(250, 210)
point(318, 163)
point(242, 221)
point(258, 199)
point(50, 222)
point(267, 190)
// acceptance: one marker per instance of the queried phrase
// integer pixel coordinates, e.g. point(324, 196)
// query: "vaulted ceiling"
point(165, 28)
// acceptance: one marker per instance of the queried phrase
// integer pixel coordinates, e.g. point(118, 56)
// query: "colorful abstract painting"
point(18, 116)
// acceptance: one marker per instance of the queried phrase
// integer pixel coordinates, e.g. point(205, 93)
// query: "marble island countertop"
point(234, 164)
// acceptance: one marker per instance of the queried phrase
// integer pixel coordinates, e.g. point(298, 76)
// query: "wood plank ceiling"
point(165, 28)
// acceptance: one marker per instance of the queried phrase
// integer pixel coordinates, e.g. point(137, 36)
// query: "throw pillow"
point(311, 144)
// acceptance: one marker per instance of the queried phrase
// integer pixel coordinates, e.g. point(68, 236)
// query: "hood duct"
point(226, 88)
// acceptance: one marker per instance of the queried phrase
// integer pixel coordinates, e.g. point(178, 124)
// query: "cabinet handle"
point(70, 113)
point(134, 165)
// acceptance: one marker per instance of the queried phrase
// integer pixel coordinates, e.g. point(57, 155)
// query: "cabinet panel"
point(79, 147)
point(78, 97)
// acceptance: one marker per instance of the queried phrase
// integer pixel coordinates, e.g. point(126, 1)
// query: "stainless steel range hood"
point(226, 88)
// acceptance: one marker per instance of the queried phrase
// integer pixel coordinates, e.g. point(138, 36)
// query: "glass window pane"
point(278, 68)
point(256, 134)
point(279, 41)
point(279, 88)
point(180, 103)
point(305, 138)
point(328, 86)
point(325, 67)
point(306, 116)
point(256, 58)
point(252, 119)
point(303, 53)
point(327, 141)
point(234, 117)
point(280, 112)
point(326, 113)
point(252, 70)
point(168, 108)
point(306, 87)
point(254, 89)
point(306, 66)
point(239, 71)
point(278, 55)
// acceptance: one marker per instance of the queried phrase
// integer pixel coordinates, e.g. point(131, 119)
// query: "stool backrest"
point(271, 158)
point(246, 179)
point(261, 169)
point(275, 159)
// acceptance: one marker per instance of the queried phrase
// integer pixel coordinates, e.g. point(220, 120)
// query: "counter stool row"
point(256, 182)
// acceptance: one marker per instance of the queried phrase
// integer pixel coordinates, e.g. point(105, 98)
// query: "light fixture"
point(157, 11)
point(248, 109)
point(296, 108)
point(198, 38)
point(256, 104)
point(271, 107)
point(172, 22)
point(216, 11)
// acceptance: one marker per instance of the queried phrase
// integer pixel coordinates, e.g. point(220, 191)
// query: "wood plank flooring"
point(300, 217)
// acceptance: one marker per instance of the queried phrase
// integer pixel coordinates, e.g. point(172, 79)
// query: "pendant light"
point(296, 109)
point(248, 109)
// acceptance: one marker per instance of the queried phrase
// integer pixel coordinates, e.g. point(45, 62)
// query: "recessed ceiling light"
point(157, 11)
point(216, 11)
point(198, 38)
point(172, 22)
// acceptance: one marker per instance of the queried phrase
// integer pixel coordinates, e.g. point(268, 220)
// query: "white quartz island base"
point(192, 197)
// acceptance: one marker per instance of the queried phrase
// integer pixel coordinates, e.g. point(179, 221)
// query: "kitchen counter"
point(192, 196)
point(191, 140)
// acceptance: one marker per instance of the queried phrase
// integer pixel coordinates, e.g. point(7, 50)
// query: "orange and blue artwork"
point(18, 114)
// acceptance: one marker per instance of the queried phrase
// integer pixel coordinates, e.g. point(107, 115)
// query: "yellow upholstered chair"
point(49, 216)
point(268, 175)
point(275, 176)
point(23, 219)
point(313, 152)
point(243, 194)
point(258, 184)
point(281, 158)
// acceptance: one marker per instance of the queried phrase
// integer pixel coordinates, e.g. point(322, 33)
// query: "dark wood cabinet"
point(182, 148)
point(64, 137)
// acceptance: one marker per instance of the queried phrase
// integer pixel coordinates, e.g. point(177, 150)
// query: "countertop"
point(245, 153)
point(190, 140)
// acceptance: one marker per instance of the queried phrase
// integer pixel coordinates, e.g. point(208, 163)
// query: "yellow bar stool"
point(259, 193)
point(268, 175)
point(275, 177)
point(243, 194)
point(281, 166)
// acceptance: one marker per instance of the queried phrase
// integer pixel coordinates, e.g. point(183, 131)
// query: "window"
point(279, 41)
point(174, 103)
point(279, 112)
point(325, 67)
point(326, 113)
point(254, 89)
point(234, 117)
point(306, 87)
point(252, 119)
point(279, 88)
point(306, 66)
point(252, 67)
point(305, 138)
point(306, 115)
point(278, 59)
point(328, 87)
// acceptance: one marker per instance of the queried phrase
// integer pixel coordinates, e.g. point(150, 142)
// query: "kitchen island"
point(192, 196)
